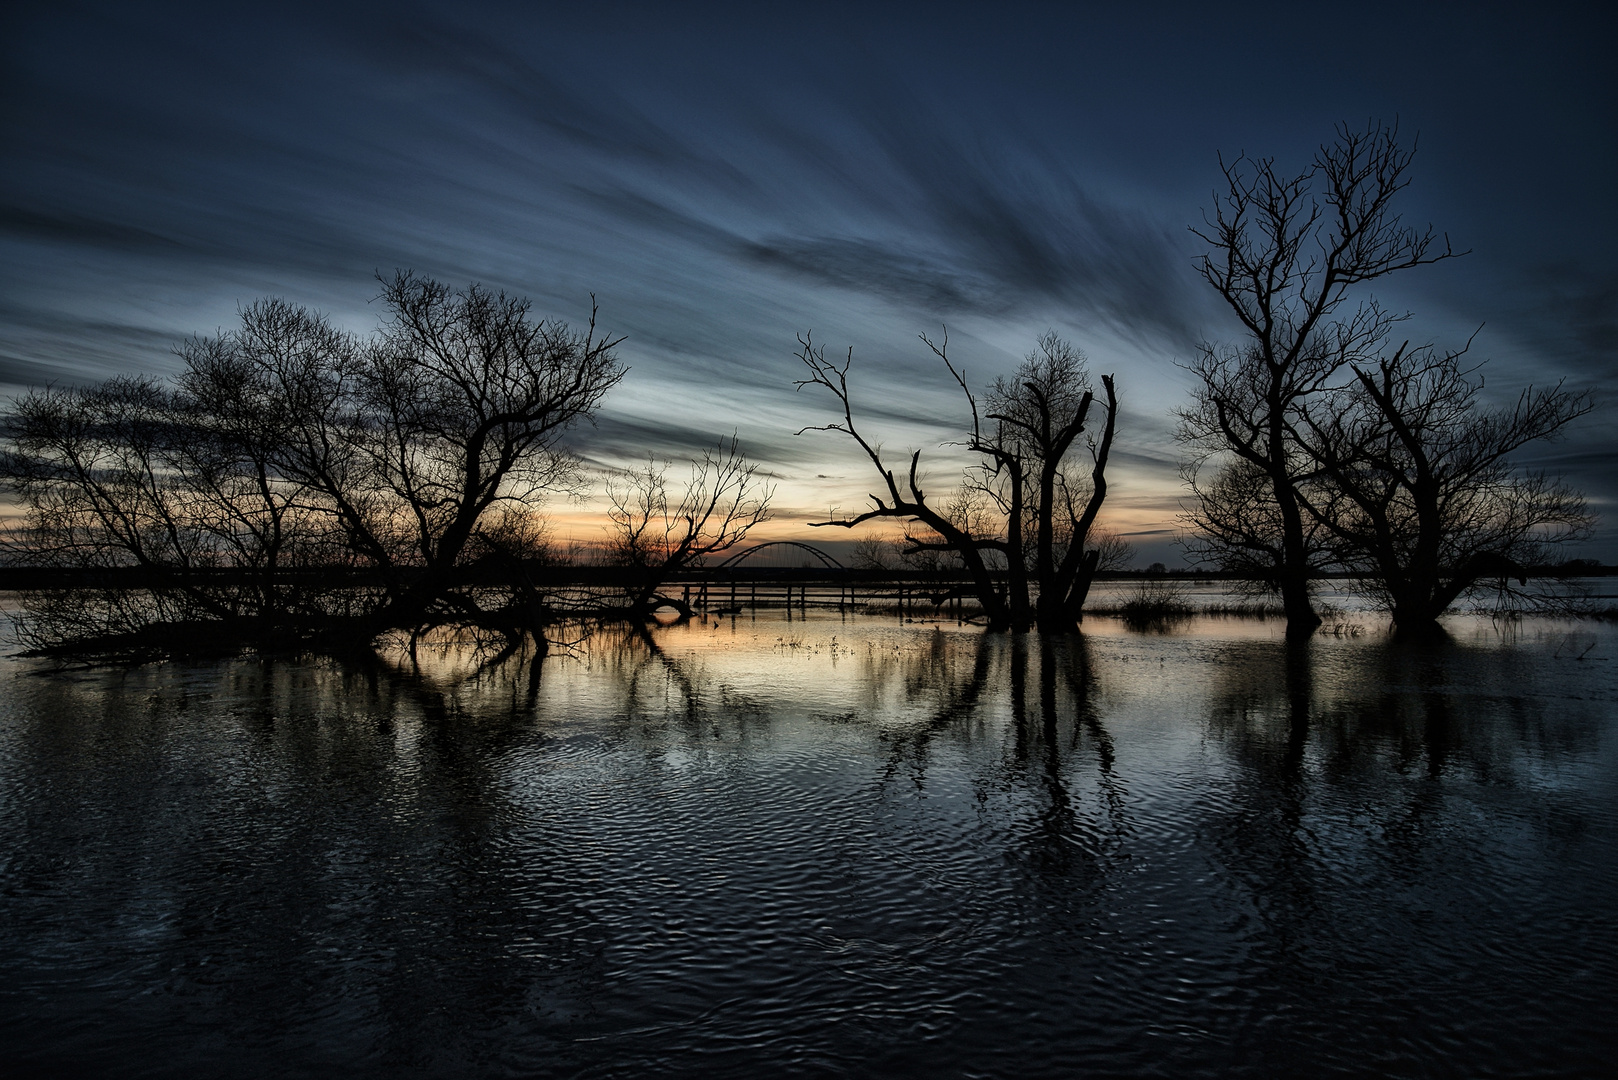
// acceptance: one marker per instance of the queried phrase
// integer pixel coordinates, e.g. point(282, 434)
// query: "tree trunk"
point(1294, 570)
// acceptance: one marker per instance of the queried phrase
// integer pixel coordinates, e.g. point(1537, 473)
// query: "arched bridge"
point(776, 549)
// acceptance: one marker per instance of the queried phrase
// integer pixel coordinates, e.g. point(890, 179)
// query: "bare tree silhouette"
point(412, 456)
point(1417, 482)
point(656, 532)
point(1022, 507)
point(1285, 251)
point(1041, 411)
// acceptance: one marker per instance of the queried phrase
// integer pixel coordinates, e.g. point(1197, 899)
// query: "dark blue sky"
point(723, 178)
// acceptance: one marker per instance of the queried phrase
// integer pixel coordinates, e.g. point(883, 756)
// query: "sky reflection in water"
point(824, 847)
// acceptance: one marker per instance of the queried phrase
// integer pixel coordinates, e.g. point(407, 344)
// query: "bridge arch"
point(741, 556)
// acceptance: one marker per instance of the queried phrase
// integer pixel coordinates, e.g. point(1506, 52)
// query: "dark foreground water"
point(823, 848)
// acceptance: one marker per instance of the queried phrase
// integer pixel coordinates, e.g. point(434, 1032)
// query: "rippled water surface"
point(823, 847)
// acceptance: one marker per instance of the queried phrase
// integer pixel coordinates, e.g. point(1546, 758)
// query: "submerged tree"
point(287, 450)
point(1285, 251)
point(1416, 480)
point(1021, 508)
point(1040, 412)
point(463, 400)
point(955, 533)
point(102, 474)
point(657, 532)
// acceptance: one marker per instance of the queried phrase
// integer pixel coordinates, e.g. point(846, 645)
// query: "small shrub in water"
point(1155, 605)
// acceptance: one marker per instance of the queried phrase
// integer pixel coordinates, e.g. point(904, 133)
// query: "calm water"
point(823, 848)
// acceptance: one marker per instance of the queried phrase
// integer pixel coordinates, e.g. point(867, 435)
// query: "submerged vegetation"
point(302, 487)
point(1156, 605)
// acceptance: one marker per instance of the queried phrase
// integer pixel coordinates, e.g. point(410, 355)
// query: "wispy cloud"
point(721, 189)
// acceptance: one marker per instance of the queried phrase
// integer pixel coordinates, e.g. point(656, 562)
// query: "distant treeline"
point(298, 486)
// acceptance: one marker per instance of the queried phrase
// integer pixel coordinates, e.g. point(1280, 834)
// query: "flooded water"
point(824, 847)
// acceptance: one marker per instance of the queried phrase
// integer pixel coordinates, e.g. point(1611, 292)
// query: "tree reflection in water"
point(1044, 739)
point(875, 849)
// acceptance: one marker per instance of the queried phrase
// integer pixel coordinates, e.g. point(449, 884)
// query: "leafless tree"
point(1417, 480)
point(876, 552)
point(657, 532)
point(413, 441)
point(1235, 524)
point(1285, 254)
point(1020, 508)
point(906, 501)
point(1112, 552)
point(462, 401)
point(242, 399)
point(288, 445)
point(94, 470)
point(1041, 411)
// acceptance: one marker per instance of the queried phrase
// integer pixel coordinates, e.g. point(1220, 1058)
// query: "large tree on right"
point(1417, 482)
point(1286, 253)
point(1316, 444)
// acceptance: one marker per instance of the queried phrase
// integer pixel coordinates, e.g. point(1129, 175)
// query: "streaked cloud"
point(724, 180)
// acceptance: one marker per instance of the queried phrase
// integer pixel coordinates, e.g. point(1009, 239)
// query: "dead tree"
point(1041, 411)
point(909, 501)
point(1285, 252)
point(656, 533)
point(1039, 529)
